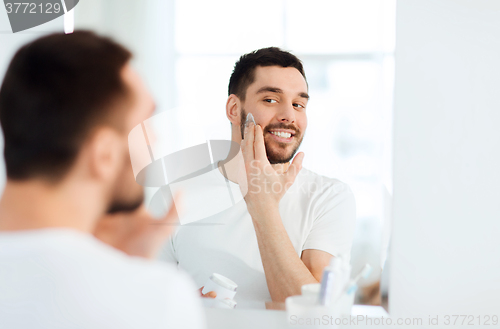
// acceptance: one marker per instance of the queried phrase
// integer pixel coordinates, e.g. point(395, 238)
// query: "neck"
point(35, 204)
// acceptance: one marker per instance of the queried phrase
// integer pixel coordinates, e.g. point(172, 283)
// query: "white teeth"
point(281, 134)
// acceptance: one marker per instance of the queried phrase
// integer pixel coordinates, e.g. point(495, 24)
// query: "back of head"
point(244, 70)
point(56, 90)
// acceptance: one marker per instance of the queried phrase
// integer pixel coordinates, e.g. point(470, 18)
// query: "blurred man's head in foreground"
point(67, 103)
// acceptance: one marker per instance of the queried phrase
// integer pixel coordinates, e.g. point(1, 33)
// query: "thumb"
point(295, 167)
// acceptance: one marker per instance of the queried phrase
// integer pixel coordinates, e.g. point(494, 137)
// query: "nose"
point(286, 114)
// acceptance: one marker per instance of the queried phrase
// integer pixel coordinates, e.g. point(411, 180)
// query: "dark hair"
point(244, 70)
point(57, 89)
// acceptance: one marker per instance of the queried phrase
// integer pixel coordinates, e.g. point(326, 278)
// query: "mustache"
point(282, 126)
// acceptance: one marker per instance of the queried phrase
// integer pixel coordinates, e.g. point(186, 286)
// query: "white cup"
point(223, 287)
point(344, 305)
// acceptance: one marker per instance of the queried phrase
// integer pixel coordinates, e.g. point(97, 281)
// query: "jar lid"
point(226, 303)
point(223, 281)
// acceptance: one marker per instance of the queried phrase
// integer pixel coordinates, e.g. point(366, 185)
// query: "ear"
point(105, 151)
point(233, 109)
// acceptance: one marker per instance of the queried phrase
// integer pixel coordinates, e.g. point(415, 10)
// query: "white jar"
point(223, 287)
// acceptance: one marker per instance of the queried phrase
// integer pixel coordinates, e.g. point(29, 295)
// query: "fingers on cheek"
point(257, 135)
point(244, 144)
point(247, 136)
point(258, 131)
point(244, 148)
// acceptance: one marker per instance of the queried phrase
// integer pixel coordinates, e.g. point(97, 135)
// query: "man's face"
point(127, 194)
point(277, 99)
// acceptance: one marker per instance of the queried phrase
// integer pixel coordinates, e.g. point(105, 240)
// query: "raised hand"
point(264, 185)
point(137, 233)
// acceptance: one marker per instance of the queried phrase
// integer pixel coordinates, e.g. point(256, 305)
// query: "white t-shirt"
point(217, 234)
point(62, 278)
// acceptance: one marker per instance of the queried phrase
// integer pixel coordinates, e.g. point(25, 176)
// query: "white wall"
point(446, 247)
point(147, 29)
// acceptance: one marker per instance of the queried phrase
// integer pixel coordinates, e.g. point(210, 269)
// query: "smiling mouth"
point(282, 136)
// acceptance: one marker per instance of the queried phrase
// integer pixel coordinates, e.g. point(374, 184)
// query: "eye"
point(270, 101)
point(299, 105)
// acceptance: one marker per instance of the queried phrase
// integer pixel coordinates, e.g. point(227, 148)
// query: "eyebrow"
point(279, 91)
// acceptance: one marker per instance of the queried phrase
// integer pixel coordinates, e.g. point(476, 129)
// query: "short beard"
point(127, 195)
point(121, 206)
point(271, 156)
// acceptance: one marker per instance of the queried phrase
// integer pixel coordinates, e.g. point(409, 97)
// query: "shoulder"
point(161, 281)
point(319, 186)
point(85, 271)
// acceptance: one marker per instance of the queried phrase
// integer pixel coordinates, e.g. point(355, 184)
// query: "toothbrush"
point(352, 286)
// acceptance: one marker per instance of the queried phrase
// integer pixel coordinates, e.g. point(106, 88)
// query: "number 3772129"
point(462, 320)
point(32, 8)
